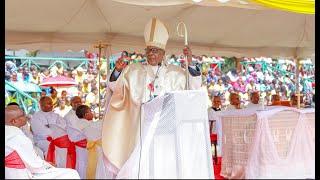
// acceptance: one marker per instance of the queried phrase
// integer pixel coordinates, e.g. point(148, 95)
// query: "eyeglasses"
point(153, 50)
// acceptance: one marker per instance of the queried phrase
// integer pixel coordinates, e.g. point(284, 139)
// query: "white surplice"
point(75, 129)
point(62, 112)
point(60, 153)
point(28, 133)
point(82, 153)
point(36, 168)
point(93, 133)
point(230, 107)
point(251, 105)
point(71, 118)
point(40, 123)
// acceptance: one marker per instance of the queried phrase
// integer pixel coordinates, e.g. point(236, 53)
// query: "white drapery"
point(175, 140)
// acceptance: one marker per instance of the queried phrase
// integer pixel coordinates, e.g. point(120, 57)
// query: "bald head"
point(75, 102)
point(216, 102)
point(14, 116)
point(44, 100)
point(234, 99)
point(13, 105)
point(46, 104)
point(255, 97)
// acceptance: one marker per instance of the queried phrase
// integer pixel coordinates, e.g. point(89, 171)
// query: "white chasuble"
point(121, 122)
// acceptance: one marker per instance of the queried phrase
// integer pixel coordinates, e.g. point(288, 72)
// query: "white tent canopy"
point(220, 29)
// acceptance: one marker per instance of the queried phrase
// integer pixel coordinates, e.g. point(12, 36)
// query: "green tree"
point(33, 53)
point(229, 64)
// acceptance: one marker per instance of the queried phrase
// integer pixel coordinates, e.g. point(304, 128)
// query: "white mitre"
point(156, 34)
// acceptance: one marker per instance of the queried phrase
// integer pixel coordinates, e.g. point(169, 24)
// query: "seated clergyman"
point(275, 100)
point(254, 99)
point(216, 103)
point(21, 159)
point(235, 103)
point(294, 100)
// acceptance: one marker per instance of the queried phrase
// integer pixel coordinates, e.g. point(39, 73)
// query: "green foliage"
point(229, 64)
point(33, 53)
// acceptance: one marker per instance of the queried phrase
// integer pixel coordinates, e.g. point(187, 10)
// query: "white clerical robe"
point(71, 118)
point(76, 134)
point(62, 112)
point(36, 168)
point(120, 126)
point(28, 133)
point(93, 134)
point(251, 105)
point(110, 169)
point(40, 123)
point(91, 131)
point(230, 107)
point(212, 114)
point(81, 124)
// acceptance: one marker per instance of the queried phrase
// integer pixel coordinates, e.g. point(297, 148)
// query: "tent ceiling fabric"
point(213, 28)
point(230, 3)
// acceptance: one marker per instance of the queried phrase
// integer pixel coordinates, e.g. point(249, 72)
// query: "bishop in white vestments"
point(136, 84)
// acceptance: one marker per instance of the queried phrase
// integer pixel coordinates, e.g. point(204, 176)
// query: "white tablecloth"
point(240, 136)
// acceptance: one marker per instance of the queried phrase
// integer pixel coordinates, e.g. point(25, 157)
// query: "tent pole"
point(297, 61)
point(108, 61)
point(29, 64)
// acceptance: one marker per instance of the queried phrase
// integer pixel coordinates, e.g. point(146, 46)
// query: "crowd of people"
point(72, 132)
point(271, 82)
point(269, 78)
point(87, 81)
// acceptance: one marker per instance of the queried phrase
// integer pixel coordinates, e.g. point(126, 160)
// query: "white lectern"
point(174, 139)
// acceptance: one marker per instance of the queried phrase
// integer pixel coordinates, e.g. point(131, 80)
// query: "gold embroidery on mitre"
point(153, 27)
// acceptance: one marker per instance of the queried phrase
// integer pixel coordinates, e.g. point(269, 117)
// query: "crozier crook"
point(184, 33)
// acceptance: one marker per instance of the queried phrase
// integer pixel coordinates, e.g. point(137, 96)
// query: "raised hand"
point(188, 54)
point(120, 65)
